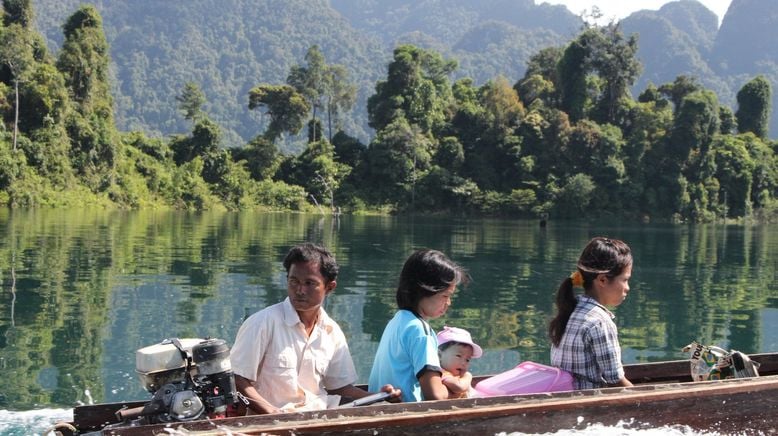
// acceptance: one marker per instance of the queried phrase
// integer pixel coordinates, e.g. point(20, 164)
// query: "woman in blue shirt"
point(407, 355)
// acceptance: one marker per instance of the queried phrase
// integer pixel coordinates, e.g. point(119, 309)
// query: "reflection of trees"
point(59, 310)
point(92, 287)
point(366, 240)
point(724, 275)
point(703, 282)
point(67, 263)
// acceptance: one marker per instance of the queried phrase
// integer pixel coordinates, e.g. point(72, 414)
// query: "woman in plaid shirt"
point(584, 338)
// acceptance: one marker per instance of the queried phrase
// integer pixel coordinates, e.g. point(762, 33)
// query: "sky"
point(619, 9)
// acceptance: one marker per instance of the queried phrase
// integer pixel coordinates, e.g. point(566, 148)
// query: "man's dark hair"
point(309, 252)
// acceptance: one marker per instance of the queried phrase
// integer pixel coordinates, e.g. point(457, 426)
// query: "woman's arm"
point(431, 386)
point(623, 382)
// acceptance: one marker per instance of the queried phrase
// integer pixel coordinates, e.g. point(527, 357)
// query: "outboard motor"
point(189, 378)
point(215, 380)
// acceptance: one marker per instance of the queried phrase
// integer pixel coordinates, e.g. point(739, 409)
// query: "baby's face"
point(456, 359)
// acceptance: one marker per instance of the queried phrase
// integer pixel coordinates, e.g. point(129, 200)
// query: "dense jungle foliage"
point(567, 139)
point(228, 46)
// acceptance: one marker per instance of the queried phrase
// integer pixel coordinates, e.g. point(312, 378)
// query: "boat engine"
point(189, 379)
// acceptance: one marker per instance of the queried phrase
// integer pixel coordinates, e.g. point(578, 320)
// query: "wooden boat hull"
point(664, 397)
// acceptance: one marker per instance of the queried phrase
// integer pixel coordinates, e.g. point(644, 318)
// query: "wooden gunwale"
point(432, 413)
point(662, 388)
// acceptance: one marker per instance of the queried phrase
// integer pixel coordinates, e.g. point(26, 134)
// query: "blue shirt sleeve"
point(422, 346)
point(408, 347)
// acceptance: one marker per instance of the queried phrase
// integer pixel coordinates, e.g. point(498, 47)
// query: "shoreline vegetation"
point(564, 141)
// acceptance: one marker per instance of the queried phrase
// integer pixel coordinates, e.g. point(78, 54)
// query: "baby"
point(456, 348)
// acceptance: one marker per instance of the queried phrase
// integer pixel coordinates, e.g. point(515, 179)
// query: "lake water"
point(83, 290)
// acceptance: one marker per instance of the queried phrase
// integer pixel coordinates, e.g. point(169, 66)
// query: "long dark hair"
point(600, 256)
point(425, 273)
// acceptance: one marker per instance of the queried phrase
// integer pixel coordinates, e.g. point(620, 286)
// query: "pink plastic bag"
point(525, 378)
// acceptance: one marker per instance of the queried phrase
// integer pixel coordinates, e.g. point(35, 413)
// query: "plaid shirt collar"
point(589, 301)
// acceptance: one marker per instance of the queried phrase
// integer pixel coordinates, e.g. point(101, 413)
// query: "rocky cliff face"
point(746, 41)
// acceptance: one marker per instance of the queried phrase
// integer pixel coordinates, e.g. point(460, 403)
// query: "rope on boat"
point(62, 429)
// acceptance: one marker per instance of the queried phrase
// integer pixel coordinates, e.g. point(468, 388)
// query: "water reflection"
point(82, 290)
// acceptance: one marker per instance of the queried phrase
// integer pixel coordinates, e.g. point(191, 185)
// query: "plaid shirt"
point(589, 349)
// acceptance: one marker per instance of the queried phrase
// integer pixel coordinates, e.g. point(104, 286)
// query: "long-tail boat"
point(664, 395)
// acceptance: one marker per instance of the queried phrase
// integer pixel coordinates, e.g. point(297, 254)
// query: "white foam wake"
point(32, 422)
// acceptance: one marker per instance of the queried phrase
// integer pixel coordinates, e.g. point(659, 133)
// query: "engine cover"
point(160, 364)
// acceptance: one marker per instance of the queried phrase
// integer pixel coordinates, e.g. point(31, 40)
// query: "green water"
point(82, 290)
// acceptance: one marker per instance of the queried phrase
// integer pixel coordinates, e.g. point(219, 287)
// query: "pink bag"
point(525, 378)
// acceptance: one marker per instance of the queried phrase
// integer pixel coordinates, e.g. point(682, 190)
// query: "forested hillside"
point(225, 46)
point(682, 38)
point(487, 37)
point(566, 137)
point(389, 20)
point(230, 45)
point(676, 39)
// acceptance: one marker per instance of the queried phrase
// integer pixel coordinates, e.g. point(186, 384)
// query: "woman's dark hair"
point(309, 252)
point(425, 273)
point(600, 256)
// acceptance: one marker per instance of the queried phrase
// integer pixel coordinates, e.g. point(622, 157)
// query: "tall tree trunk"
point(313, 130)
point(16, 112)
point(329, 118)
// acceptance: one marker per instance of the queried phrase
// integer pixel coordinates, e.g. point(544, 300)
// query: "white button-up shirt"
point(290, 369)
